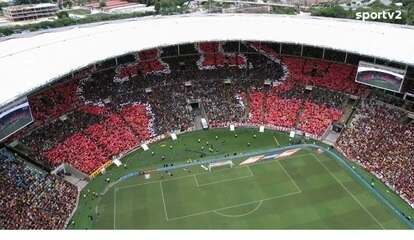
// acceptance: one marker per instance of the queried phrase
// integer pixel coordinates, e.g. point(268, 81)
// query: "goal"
point(220, 164)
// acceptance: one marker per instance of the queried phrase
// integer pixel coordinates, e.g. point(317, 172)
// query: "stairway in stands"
point(302, 109)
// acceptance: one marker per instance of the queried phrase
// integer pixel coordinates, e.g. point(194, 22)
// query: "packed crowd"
point(50, 134)
point(288, 106)
point(116, 110)
point(54, 102)
point(315, 119)
point(321, 73)
point(147, 62)
point(321, 109)
point(79, 151)
point(101, 114)
point(30, 199)
point(90, 136)
point(282, 112)
point(380, 141)
point(138, 117)
point(212, 56)
point(113, 135)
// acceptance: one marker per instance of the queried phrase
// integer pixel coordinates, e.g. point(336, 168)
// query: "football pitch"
point(306, 190)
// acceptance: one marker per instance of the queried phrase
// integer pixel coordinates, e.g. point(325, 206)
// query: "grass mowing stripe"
point(349, 192)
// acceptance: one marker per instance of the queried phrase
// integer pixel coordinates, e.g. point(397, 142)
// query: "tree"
point(332, 11)
point(67, 3)
point(102, 3)
point(3, 5)
point(157, 6)
point(20, 2)
point(410, 14)
point(62, 14)
point(82, 2)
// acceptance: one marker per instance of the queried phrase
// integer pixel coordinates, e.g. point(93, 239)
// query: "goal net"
point(220, 164)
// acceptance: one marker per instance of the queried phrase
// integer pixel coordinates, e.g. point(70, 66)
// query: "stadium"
point(208, 122)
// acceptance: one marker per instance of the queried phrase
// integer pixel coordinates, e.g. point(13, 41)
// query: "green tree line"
point(337, 11)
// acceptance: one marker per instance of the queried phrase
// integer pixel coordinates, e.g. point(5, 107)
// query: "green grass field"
point(309, 189)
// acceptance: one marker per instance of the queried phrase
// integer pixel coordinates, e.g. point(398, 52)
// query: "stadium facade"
point(33, 60)
point(99, 92)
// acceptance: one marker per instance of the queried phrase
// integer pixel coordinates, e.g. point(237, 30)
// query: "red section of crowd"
point(149, 54)
point(113, 135)
point(265, 50)
point(315, 118)
point(282, 112)
point(295, 67)
point(147, 62)
point(95, 110)
point(54, 102)
point(79, 151)
point(256, 107)
point(209, 47)
point(275, 109)
point(136, 116)
point(282, 106)
point(321, 73)
point(213, 56)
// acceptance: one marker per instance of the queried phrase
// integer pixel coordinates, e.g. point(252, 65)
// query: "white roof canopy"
point(32, 60)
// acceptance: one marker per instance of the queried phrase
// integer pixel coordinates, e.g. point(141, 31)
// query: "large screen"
point(14, 117)
point(379, 76)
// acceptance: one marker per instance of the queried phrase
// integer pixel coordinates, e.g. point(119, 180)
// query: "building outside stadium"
point(119, 124)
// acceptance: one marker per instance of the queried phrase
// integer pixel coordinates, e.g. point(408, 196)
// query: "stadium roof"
point(31, 60)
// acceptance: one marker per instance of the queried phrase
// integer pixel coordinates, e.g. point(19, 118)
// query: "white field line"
point(349, 192)
point(167, 180)
point(163, 201)
point(196, 181)
point(225, 180)
point(290, 177)
point(232, 206)
point(195, 176)
point(225, 169)
point(251, 172)
point(216, 171)
point(277, 142)
point(241, 215)
point(115, 190)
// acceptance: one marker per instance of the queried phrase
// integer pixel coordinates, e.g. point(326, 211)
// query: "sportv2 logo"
point(384, 15)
